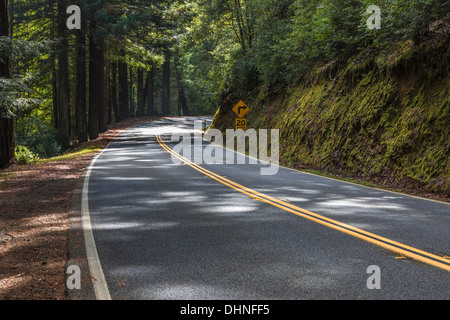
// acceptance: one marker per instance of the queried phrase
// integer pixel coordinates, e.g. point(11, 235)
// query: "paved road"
point(166, 230)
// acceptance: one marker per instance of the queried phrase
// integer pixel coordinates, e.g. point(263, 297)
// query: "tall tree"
point(101, 78)
point(166, 85)
point(93, 89)
point(113, 91)
point(140, 93)
point(182, 102)
point(98, 111)
point(6, 122)
point(131, 92)
point(81, 93)
point(54, 92)
point(150, 91)
point(124, 104)
point(63, 77)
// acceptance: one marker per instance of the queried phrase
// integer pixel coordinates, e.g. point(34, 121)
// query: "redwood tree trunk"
point(81, 87)
point(54, 92)
point(93, 91)
point(102, 102)
point(140, 92)
point(183, 102)
point(6, 124)
point(124, 105)
point(6, 141)
point(150, 89)
point(183, 108)
point(113, 91)
point(131, 93)
point(63, 79)
point(166, 87)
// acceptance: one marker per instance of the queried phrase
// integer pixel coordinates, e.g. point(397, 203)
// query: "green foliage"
point(37, 136)
point(272, 28)
point(16, 95)
point(24, 155)
point(223, 47)
point(405, 19)
point(383, 116)
point(242, 74)
point(12, 99)
point(278, 41)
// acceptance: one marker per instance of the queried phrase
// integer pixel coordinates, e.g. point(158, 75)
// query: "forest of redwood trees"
point(6, 123)
point(61, 86)
point(82, 79)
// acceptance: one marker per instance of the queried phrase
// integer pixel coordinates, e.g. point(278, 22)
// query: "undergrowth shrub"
point(38, 137)
point(24, 155)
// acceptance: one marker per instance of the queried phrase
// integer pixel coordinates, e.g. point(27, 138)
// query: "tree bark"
point(183, 108)
point(113, 92)
point(140, 93)
point(131, 93)
point(101, 79)
point(166, 86)
point(183, 102)
point(108, 91)
point(93, 91)
point(63, 79)
point(123, 91)
point(80, 99)
point(54, 92)
point(6, 124)
point(150, 89)
point(6, 141)
point(11, 19)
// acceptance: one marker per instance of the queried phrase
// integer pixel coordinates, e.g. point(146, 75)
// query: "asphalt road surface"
point(166, 230)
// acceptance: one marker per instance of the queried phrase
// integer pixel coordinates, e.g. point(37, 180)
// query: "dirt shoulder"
point(36, 203)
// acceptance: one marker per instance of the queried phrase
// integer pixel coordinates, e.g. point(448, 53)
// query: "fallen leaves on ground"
point(34, 206)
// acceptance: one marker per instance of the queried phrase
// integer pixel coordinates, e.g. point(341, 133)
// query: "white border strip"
point(98, 278)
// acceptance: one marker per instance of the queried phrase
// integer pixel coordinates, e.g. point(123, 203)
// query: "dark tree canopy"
point(145, 58)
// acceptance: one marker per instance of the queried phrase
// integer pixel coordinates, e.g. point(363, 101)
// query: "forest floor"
point(35, 202)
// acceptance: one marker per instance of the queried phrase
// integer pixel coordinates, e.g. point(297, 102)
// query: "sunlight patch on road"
point(137, 226)
point(129, 178)
point(360, 203)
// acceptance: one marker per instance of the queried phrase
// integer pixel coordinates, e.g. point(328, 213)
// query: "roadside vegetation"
point(351, 102)
point(349, 99)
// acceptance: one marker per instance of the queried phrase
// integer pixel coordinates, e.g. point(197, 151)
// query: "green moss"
point(383, 116)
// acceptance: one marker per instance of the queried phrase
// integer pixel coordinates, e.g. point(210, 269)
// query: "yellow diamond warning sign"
point(241, 109)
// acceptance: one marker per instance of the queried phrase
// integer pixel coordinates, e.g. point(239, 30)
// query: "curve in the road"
point(385, 243)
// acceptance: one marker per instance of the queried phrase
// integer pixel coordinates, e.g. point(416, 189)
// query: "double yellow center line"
point(385, 243)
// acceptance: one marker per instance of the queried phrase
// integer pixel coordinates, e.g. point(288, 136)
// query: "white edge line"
point(98, 278)
point(95, 267)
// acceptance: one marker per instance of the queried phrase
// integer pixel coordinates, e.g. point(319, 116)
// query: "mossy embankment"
point(381, 116)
